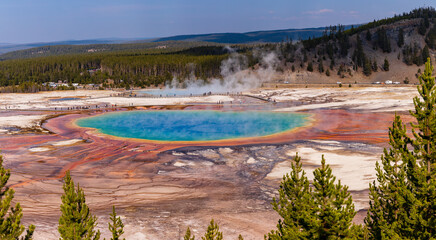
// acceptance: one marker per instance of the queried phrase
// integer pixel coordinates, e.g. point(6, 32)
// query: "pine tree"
point(374, 65)
point(240, 237)
point(324, 211)
point(392, 204)
point(188, 235)
point(422, 172)
point(117, 225)
point(367, 67)
point(359, 54)
point(422, 29)
point(295, 206)
point(334, 205)
point(320, 67)
point(10, 217)
point(368, 35)
point(76, 221)
point(310, 67)
point(400, 41)
point(213, 232)
point(383, 40)
point(425, 54)
point(386, 65)
point(403, 201)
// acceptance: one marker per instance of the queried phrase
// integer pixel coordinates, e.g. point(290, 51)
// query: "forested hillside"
point(389, 50)
point(120, 70)
point(411, 36)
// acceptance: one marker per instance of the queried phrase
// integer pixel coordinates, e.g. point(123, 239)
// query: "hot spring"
point(193, 125)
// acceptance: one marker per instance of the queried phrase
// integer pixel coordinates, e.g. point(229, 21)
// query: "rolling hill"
point(9, 47)
point(273, 36)
point(13, 51)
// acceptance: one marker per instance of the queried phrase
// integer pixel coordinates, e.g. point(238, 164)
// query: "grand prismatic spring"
point(193, 125)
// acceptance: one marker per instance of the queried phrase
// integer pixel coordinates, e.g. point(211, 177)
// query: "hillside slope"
point(358, 55)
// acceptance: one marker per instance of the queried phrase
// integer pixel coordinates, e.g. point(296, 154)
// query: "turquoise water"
point(63, 99)
point(168, 92)
point(192, 125)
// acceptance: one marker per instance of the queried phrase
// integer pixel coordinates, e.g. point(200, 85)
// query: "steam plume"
point(236, 76)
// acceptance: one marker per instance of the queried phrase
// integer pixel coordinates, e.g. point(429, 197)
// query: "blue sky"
point(25, 21)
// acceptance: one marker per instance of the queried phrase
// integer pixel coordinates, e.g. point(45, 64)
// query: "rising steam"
point(236, 76)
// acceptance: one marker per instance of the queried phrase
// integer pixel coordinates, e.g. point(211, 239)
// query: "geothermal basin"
point(161, 187)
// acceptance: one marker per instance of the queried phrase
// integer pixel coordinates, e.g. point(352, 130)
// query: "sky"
point(28, 21)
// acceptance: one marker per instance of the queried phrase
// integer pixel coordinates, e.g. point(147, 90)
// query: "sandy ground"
point(375, 99)
point(345, 164)
point(159, 197)
point(81, 99)
point(91, 98)
point(21, 121)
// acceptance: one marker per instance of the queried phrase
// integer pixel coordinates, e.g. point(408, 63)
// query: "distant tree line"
point(133, 48)
point(123, 69)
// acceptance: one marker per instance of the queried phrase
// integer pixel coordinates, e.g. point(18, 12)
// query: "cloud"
point(318, 12)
